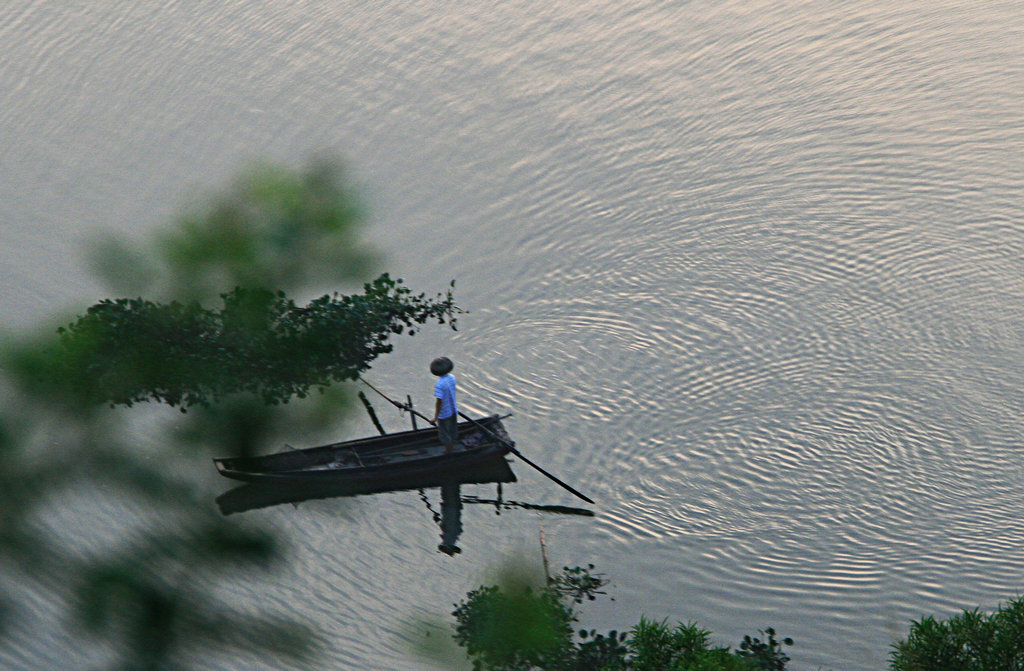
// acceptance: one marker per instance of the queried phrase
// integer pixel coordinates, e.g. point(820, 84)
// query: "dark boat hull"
point(408, 459)
point(254, 495)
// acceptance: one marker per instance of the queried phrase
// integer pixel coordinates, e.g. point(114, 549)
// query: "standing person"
point(446, 413)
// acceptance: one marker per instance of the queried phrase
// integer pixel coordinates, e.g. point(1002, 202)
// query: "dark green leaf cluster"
point(126, 351)
point(600, 652)
point(766, 655)
point(654, 646)
point(515, 628)
point(512, 628)
point(969, 641)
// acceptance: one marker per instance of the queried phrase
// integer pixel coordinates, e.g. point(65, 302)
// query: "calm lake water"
point(750, 274)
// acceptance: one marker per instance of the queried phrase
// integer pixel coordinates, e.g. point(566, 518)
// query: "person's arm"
point(437, 410)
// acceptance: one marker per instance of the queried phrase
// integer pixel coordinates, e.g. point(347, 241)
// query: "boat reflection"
point(253, 496)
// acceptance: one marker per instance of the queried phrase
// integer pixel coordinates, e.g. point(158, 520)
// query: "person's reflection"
point(451, 518)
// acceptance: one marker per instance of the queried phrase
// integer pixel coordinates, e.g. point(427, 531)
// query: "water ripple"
point(749, 275)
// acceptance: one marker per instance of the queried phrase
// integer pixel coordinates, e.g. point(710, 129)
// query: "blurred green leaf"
point(147, 588)
point(273, 228)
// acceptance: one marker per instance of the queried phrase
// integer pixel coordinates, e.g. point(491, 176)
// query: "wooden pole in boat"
point(511, 447)
point(373, 415)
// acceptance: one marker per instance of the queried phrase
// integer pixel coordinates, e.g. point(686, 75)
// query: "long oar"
point(513, 450)
point(510, 446)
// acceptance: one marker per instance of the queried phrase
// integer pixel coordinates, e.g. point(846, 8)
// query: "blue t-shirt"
point(444, 389)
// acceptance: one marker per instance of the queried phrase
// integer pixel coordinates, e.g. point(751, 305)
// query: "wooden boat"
point(254, 495)
point(407, 459)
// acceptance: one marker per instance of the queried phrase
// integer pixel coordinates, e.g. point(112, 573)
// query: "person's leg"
point(448, 432)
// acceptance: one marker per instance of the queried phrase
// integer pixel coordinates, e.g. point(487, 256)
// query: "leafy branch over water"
point(125, 351)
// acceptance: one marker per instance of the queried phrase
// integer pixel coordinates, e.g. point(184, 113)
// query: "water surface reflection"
point(253, 496)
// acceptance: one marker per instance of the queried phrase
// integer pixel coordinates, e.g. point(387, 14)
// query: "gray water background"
point(750, 274)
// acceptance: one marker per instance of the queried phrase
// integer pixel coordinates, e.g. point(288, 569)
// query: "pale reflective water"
point(751, 275)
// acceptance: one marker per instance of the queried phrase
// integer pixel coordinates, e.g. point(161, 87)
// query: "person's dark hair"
point(442, 365)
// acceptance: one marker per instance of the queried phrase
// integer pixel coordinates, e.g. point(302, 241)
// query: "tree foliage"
point(260, 342)
point(969, 641)
point(517, 626)
point(654, 646)
point(514, 628)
